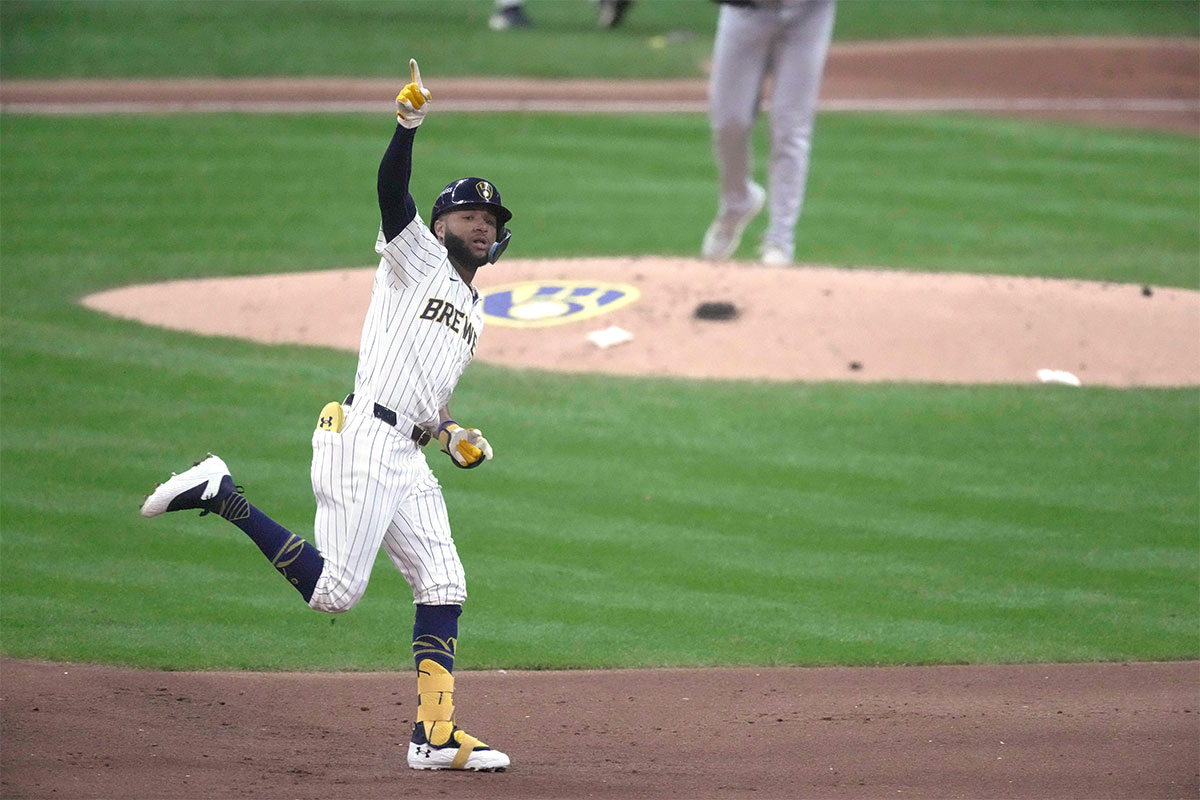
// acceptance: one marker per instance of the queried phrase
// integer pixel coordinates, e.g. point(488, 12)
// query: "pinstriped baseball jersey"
point(421, 328)
point(373, 486)
point(372, 483)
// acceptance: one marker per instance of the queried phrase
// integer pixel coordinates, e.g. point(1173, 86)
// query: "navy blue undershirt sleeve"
point(396, 205)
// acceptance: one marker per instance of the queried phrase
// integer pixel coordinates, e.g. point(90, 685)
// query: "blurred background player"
point(787, 41)
point(511, 14)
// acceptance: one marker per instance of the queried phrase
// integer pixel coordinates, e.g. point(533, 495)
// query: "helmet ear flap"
point(500, 246)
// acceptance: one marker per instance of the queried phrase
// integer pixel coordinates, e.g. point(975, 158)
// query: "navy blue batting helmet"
point(475, 193)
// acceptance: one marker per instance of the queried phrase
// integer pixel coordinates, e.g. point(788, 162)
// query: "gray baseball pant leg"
point(741, 53)
point(799, 63)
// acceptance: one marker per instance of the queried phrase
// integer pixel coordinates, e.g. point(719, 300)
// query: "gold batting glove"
point(466, 447)
point(410, 103)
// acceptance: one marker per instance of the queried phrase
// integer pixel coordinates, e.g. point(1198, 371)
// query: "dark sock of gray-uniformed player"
point(297, 560)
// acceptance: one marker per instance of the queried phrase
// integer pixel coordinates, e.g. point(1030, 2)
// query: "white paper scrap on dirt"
point(1057, 376)
point(609, 336)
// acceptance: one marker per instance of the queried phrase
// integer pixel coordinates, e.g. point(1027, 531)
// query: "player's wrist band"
point(444, 425)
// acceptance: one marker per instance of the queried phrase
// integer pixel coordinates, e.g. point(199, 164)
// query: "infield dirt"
point(1045, 731)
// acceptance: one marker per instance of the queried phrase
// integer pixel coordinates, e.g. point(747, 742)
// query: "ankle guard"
point(435, 712)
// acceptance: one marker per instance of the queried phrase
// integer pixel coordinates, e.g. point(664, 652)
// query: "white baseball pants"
point(789, 40)
point(373, 487)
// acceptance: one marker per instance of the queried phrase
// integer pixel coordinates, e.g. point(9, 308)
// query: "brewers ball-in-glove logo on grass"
point(536, 304)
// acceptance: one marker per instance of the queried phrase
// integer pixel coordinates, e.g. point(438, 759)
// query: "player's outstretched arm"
point(396, 205)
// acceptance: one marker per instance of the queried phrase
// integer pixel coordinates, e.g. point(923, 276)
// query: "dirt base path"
point(1149, 83)
point(1058, 731)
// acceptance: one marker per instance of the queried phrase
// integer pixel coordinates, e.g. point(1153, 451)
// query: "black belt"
point(418, 434)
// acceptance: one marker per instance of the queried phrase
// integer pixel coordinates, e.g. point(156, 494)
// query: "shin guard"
point(435, 704)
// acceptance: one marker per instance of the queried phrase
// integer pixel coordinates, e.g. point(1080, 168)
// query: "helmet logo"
point(485, 190)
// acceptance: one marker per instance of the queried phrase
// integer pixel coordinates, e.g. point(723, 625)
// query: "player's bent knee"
point(446, 594)
point(330, 605)
point(336, 597)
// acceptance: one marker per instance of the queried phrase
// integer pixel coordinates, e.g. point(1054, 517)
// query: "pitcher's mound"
point(638, 316)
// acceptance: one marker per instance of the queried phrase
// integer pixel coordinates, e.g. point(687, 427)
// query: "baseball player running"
point(372, 484)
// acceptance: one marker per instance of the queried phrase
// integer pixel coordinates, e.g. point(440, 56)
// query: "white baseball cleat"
point(480, 758)
point(194, 488)
point(725, 233)
point(776, 255)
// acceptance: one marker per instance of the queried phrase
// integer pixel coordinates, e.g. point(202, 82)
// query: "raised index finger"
point(416, 73)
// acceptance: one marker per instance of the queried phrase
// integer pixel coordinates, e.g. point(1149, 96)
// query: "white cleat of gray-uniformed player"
point(776, 255)
point(725, 233)
point(203, 486)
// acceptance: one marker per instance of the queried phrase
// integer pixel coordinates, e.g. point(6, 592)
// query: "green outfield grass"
point(242, 194)
point(660, 38)
point(755, 524)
